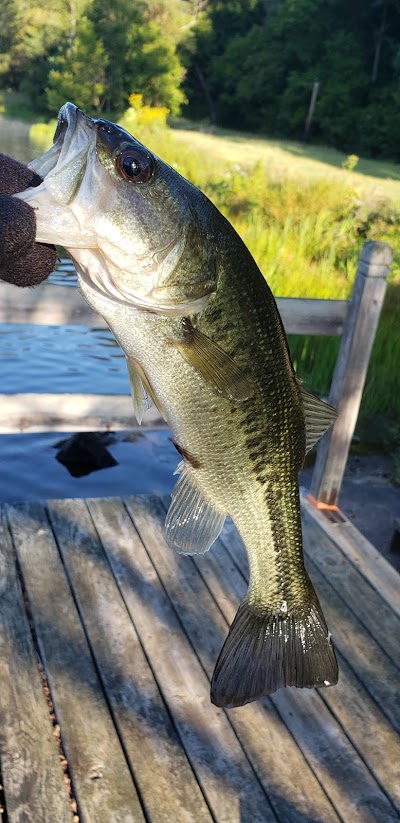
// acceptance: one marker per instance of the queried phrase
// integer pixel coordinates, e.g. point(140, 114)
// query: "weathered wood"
point(71, 412)
point(351, 369)
point(99, 771)
point(292, 788)
point(32, 776)
point(382, 576)
point(47, 305)
point(369, 731)
point(221, 766)
point(375, 670)
point(162, 772)
point(352, 787)
point(153, 623)
point(350, 583)
point(301, 315)
point(53, 305)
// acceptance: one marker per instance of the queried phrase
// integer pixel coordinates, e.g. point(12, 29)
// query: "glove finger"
point(14, 176)
point(17, 228)
point(33, 268)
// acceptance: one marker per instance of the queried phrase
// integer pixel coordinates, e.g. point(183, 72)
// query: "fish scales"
point(201, 331)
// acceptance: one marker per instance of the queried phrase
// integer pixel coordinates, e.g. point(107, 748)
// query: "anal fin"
point(192, 523)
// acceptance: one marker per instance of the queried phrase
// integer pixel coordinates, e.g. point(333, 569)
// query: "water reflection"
point(14, 139)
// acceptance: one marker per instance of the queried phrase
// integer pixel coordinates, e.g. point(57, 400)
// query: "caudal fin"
point(266, 650)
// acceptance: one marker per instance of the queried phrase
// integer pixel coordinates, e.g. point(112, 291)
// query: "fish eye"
point(135, 165)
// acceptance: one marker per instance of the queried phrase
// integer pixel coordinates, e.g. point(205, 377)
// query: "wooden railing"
point(354, 320)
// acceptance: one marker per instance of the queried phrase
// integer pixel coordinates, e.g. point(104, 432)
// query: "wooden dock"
point(108, 641)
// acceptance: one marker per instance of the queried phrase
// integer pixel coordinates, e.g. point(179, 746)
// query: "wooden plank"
point(54, 305)
point(301, 315)
point(162, 772)
point(352, 787)
point(369, 731)
point(373, 612)
point(375, 669)
point(291, 786)
point(382, 576)
point(32, 776)
point(351, 368)
point(70, 412)
point(47, 305)
point(222, 769)
point(102, 781)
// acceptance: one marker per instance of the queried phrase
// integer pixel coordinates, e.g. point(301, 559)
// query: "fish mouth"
point(74, 125)
point(66, 160)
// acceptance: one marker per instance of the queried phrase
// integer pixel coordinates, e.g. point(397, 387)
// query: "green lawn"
point(294, 159)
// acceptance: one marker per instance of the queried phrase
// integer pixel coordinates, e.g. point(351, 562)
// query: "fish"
point(204, 340)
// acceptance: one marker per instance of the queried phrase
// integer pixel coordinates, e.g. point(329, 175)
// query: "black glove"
point(22, 261)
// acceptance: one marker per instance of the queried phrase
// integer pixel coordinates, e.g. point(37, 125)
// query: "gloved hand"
point(22, 261)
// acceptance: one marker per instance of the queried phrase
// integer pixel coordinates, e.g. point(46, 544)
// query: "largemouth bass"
point(203, 337)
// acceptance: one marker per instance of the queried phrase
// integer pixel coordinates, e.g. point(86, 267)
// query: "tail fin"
point(266, 650)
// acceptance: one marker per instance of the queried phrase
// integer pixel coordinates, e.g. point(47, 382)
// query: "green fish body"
point(211, 352)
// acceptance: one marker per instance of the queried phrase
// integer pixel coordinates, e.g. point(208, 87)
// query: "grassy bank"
point(304, 218)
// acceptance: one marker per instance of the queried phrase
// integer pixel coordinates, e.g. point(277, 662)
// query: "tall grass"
point(306, 235)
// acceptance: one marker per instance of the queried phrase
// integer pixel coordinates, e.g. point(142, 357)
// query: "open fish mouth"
point(63, 168)
point(72, 124)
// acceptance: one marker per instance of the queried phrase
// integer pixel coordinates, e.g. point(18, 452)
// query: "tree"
point(8, 30)
point(140, 40)
point(79, 73)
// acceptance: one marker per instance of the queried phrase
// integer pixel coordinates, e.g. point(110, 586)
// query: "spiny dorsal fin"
point(214, 364)
point(192, 523)
point(319, 416)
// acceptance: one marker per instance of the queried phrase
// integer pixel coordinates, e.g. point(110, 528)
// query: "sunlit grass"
point(284, 157)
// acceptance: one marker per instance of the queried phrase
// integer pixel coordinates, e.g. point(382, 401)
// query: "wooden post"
point(351, 368)
point(313, 100)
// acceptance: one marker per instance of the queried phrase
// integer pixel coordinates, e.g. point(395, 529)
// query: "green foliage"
point(140, 41)
point(350, 162)
point(262, 74)
point(79, 72)
point(247, 62)
point(94, 52)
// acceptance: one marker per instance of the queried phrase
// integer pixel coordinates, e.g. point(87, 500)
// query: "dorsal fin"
point(319, 416)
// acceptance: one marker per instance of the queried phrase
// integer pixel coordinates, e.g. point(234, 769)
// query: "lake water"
point(70, 359)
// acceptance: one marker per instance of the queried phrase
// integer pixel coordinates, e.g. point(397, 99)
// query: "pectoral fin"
point(142, 391)
point(214, 364)
point(192, 523)
point(319, 416)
